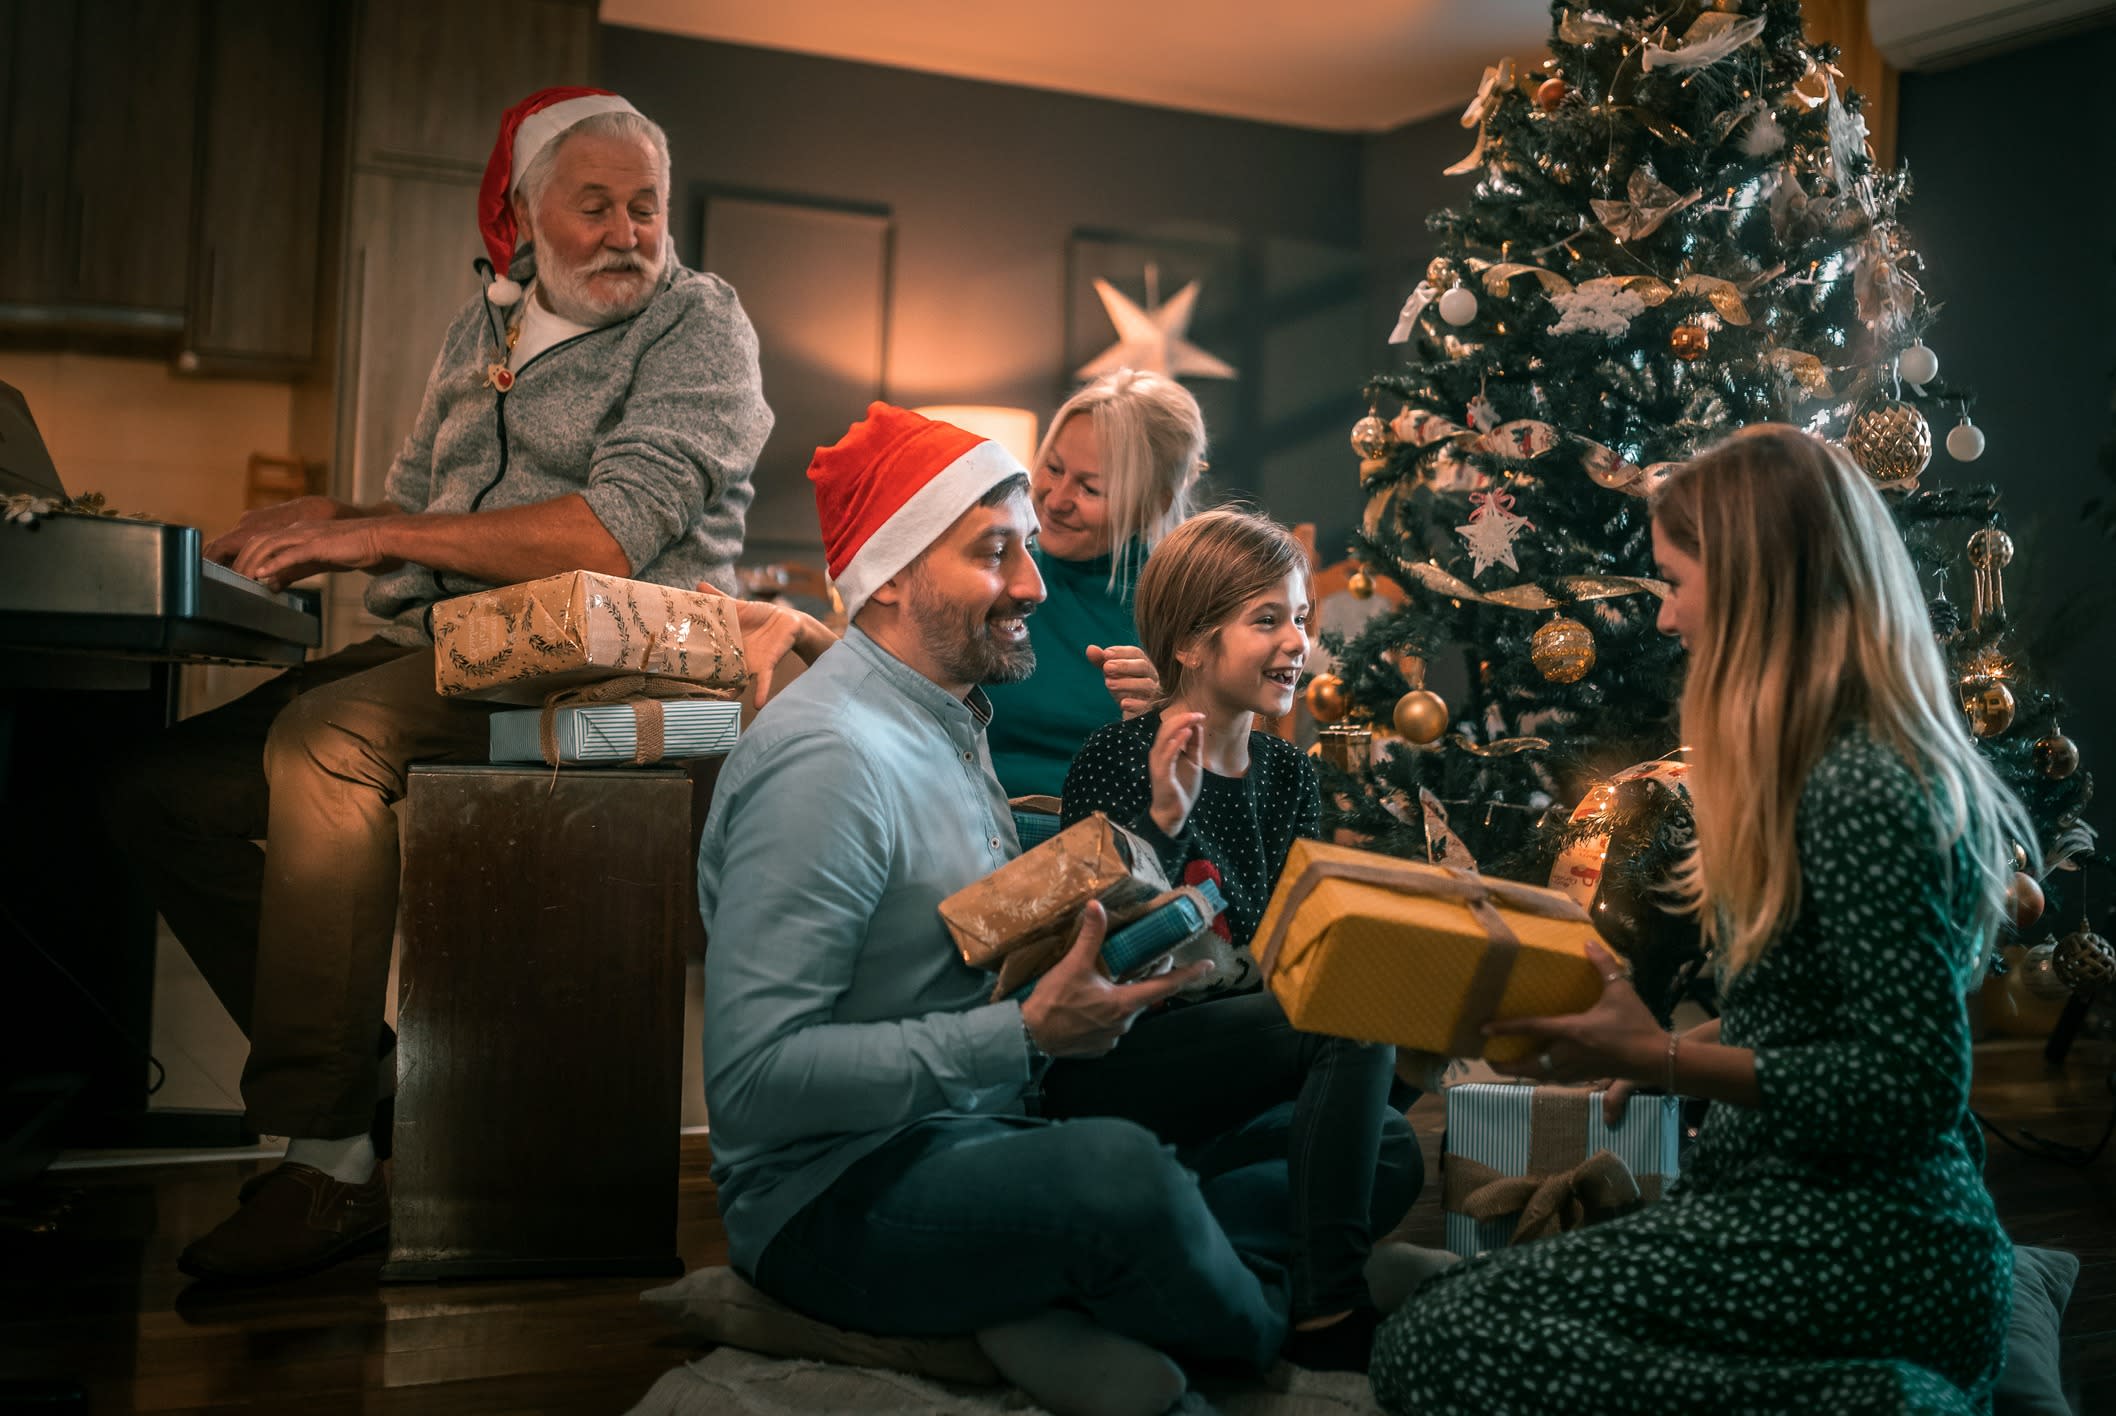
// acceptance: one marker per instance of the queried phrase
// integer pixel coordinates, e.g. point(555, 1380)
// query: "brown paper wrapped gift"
point(1022, 917)
point(518, 643)
point(1368, 946)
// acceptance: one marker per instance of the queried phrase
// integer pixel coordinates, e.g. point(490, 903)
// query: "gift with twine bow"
point(1367, 946)
point(519, 643)
point(1020, 919)
point(645, 698)
point(1523, 1163)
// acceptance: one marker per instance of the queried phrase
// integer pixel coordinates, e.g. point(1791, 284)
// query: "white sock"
point(351, 1160)
point(1395, 1270)
point(1072, 1367)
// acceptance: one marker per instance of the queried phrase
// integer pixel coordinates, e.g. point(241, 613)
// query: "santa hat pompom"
point(503, 291)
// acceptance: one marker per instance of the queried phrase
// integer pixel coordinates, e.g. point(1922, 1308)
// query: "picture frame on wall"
point(814, 275)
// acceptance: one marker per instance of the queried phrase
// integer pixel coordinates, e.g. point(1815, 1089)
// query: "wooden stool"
point(540, 1020)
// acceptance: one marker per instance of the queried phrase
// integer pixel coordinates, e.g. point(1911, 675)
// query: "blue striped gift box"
point(1495, 1126)
point(607, 732)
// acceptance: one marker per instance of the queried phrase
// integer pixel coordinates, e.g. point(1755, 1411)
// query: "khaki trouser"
point(293, 938)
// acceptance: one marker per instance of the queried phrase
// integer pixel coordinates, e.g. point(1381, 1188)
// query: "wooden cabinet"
point(134, 150)
point(255, 244)
point(36, 114)
point(434, 78)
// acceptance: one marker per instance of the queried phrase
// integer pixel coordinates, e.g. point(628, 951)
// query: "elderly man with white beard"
point(596, 407)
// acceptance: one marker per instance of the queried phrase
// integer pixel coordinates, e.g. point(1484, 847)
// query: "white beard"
point(567, 293)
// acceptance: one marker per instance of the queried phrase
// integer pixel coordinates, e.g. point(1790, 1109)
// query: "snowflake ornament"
point(1596, 309)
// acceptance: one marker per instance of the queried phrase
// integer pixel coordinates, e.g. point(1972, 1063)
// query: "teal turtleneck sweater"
point(1038, 725)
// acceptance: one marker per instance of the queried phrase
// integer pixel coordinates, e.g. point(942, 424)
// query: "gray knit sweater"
point(655, 421)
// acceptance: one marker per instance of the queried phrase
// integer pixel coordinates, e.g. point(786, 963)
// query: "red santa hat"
point(525, 130)
point(890, 487)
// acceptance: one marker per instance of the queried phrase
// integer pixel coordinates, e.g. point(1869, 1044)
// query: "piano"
point(97, 616)
point(115, 587)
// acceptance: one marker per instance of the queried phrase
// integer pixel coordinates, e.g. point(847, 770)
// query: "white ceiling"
point(1353, 65)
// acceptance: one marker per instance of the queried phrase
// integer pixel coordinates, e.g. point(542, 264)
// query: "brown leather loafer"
point(295, 1219)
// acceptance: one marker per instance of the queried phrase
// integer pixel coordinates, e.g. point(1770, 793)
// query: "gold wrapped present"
point(1021, 918)
point(519, 643)
point(1368, 946)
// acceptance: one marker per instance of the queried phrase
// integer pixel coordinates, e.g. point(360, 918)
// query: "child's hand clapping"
point(1177, 766)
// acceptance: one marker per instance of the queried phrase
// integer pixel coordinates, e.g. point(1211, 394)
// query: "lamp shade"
point(1012, 428)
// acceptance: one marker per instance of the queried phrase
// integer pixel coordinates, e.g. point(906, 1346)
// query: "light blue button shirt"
point(837, 1010)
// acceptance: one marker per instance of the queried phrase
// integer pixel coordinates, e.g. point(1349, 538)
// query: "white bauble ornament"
point(1918, 364)
point(1965, 441)
point(1458, 306)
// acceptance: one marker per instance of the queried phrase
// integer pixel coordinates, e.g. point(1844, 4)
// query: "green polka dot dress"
point(1830, 1250)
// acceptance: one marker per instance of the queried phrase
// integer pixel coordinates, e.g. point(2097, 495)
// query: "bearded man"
point(597, 407)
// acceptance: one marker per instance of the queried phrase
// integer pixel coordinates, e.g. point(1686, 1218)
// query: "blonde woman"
point(1830, 1245)
point(1117, 471)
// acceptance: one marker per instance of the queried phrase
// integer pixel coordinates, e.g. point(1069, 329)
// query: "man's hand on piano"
point(229, 544)
point(279, 558)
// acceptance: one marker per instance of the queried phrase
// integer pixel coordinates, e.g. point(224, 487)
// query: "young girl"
point(1223, 613)
point(1830, 1245)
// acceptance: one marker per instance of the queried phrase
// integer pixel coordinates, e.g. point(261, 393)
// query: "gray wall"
point(2015, 213)
point(985, 184)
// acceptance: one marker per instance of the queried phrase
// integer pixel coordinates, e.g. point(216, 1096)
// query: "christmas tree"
point(1677, 230)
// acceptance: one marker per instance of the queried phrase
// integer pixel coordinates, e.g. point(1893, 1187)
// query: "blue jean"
point(963, 1222)
point(1196, 1074)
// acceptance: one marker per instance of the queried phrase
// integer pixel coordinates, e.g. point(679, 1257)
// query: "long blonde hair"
point(1152, 437)
point(1812, 620)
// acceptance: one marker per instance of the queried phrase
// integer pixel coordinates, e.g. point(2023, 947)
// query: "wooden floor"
point(93, 1296)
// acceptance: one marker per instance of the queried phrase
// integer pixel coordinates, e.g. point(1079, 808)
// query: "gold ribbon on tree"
point(643, 693)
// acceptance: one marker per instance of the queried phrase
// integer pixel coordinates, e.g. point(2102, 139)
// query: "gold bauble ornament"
point(1361, 585)
point(1440, 271)
point(1420, 716)
point(2083, 960)
point(1690, 341)
point(2020, 856)
point(1550, 93)
point(2057, 755)
point(1371, 467)
point(1326, 698)
point(1371, 437)
point(2024, 900)
point(1563, 650)
point(1989, 704)
point(1990, 549)
point(1890, 441)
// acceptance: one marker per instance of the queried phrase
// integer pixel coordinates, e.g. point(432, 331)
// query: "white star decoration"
point(1152, 339)
point(1490, 534)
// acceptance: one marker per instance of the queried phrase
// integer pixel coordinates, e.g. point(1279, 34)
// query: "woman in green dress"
point(1116, 473)
point(1830, 1245)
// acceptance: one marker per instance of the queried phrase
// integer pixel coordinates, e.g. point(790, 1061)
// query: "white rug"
point(729, 1380)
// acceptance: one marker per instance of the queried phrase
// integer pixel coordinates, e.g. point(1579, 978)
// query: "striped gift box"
point(1035, 819)
point(609, 732)
point(1155, 933)
point(1500, 1131)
